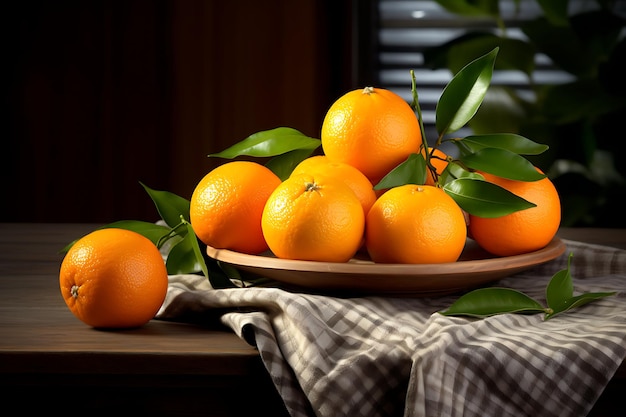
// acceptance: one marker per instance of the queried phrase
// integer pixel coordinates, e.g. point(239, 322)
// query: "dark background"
point(104, 94)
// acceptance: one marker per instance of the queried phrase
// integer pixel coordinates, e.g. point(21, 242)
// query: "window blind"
point(408, 27)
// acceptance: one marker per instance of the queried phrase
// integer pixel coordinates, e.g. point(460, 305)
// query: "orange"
point(525, 230)
point(352, 177)
point(416, 224)
point(315, 218)
point(372, 129)
point(226, 206)
point(113, 278)
point(438, 159)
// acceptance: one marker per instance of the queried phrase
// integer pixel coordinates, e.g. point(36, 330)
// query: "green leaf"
point(560, 293)
point(411, 171)
point(484, 199)
point(68, 246)
point(513, 54)
point(555, 11)
point(234, 274)
point(578, 301)
point(186, 257)
point(230, 271)
point(502, 163)
point(502, 110)
point(415, 105)
point(454, 171)
point(282, 165)
point(462, 96)
point(485, 302)
point(561, 44)
point(183, 259)
point(270, 143)
point(220, 275)
point(152, 231)
point(560, 288)
point(457, 171)
point(508, 141)
point(209, 266)
point(169, 205)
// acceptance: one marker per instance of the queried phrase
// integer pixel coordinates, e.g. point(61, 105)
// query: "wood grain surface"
point(164, 367)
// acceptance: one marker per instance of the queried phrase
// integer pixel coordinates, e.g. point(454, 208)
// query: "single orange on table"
point(416, 224)
point(351, 176)
point(226, 206)
point(372, 129)
point(522, 231)
point(313, 217)
point(113, 278)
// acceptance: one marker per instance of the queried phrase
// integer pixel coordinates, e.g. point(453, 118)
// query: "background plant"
point(578, 119)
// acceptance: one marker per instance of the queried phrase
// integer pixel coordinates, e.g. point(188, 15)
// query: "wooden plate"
point(360, 275)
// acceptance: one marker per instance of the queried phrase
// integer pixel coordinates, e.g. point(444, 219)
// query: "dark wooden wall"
point(104, 94)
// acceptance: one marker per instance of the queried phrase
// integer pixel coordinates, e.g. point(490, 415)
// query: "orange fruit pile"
point(113, 278)
point(326, 210)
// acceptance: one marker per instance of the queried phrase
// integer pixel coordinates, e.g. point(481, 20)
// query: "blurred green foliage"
point(580, 119)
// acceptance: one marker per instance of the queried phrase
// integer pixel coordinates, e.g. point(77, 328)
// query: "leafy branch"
point(500, 154)
point(485, 302)
point(574, 111)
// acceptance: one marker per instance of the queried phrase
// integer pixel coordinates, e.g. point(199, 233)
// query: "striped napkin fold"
point(378, 356)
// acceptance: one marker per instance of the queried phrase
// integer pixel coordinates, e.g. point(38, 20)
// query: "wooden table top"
point(38, 333)
point(35, 323)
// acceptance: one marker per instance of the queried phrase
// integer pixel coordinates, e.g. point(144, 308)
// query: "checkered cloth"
point(377, 356)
